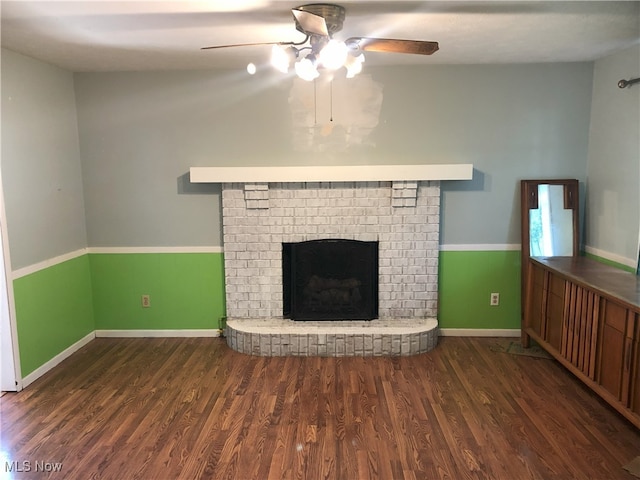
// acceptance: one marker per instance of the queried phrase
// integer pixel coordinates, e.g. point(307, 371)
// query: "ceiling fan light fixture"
point(319, 22)
point(282, 57)
point(333, 55)
point(353, 64)
point(306, 68)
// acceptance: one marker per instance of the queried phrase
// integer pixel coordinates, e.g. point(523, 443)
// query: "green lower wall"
point(186, 290)
point(611, 263)
point(53, 311)
point(466, 281)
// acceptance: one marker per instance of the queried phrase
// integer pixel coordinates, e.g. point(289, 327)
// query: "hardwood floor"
point(193, 408)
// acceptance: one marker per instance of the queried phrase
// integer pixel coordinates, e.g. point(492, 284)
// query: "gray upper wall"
point(140, 132)
point(613, 188)
point(136, 135)
point(41, 176)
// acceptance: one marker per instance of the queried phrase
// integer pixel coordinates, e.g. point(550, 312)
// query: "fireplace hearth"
point(330, 279)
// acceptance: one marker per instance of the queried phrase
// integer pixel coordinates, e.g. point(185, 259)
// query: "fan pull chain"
point(331, 101)
point(315, 103)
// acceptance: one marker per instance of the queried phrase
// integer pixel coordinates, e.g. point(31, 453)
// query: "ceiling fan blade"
point(246, 45)
point(368, 44)
point(310, 23)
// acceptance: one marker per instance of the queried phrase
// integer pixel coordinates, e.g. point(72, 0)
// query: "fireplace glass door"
point(330, 280)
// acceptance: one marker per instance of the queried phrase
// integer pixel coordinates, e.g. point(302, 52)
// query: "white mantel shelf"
point(351, 173)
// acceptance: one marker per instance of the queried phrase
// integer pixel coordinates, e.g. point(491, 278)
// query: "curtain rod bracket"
point(627, 83)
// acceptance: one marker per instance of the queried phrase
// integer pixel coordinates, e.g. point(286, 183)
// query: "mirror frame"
point(529, 200)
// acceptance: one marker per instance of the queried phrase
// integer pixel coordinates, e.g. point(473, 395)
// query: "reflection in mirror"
point(551, 225)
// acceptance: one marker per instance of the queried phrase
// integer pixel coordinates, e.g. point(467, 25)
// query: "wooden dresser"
point(587, 315)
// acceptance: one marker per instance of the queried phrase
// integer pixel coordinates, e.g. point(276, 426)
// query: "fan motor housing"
point(333, 15)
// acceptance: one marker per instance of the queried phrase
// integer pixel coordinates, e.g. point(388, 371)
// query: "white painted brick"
point(255, 195)
point(244, 255)
point(409, 193)
point(415, 270)
point(334, 211)
point(399, 262)
point(433, 201)
point(233, 212)
point(270, 255)
point(241, 264)
point(234, 247)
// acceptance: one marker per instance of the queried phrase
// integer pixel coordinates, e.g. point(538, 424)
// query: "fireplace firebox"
point(330, 279)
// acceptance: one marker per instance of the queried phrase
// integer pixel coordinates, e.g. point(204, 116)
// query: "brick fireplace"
point(402, 216)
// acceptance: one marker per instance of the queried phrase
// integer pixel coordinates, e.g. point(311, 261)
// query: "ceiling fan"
point(319, 22)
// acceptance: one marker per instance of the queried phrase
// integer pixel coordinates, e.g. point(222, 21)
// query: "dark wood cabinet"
point(587, 315)
point(612, 348)
point(537, 298)
point(546, 307)
point(555, 311)
point(634, 397)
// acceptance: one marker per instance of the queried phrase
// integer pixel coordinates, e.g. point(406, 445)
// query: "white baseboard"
point(479, 332)
point(157, 333)
point(38, 372)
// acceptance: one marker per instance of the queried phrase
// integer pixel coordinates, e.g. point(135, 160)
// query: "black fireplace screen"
point(330, 280)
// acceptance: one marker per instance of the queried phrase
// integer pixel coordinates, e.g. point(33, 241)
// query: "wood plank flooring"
point(192, 408)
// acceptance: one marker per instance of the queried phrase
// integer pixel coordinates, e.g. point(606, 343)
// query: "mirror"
point(549, 221)
point(550, 225)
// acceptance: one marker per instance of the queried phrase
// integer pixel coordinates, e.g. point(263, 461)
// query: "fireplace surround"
point(402, 216)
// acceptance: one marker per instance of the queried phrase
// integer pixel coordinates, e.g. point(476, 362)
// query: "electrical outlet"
point(495, 299)
point(146, 301)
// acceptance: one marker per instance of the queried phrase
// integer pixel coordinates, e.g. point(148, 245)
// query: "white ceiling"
point(103, 35)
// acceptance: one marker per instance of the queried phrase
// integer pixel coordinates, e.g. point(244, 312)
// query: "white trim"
point(479, 332)
point(155, 249)
point(480, 247)
point(214, 332)
point(66, 353)
point(629, 262)
point(342, 173)
point(36, 267)
point(14, 357)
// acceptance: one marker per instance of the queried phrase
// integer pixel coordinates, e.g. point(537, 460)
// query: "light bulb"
point(279, 59)
point(251, 69)
point(333, 55)
point(354, 65)
point(306, 69)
